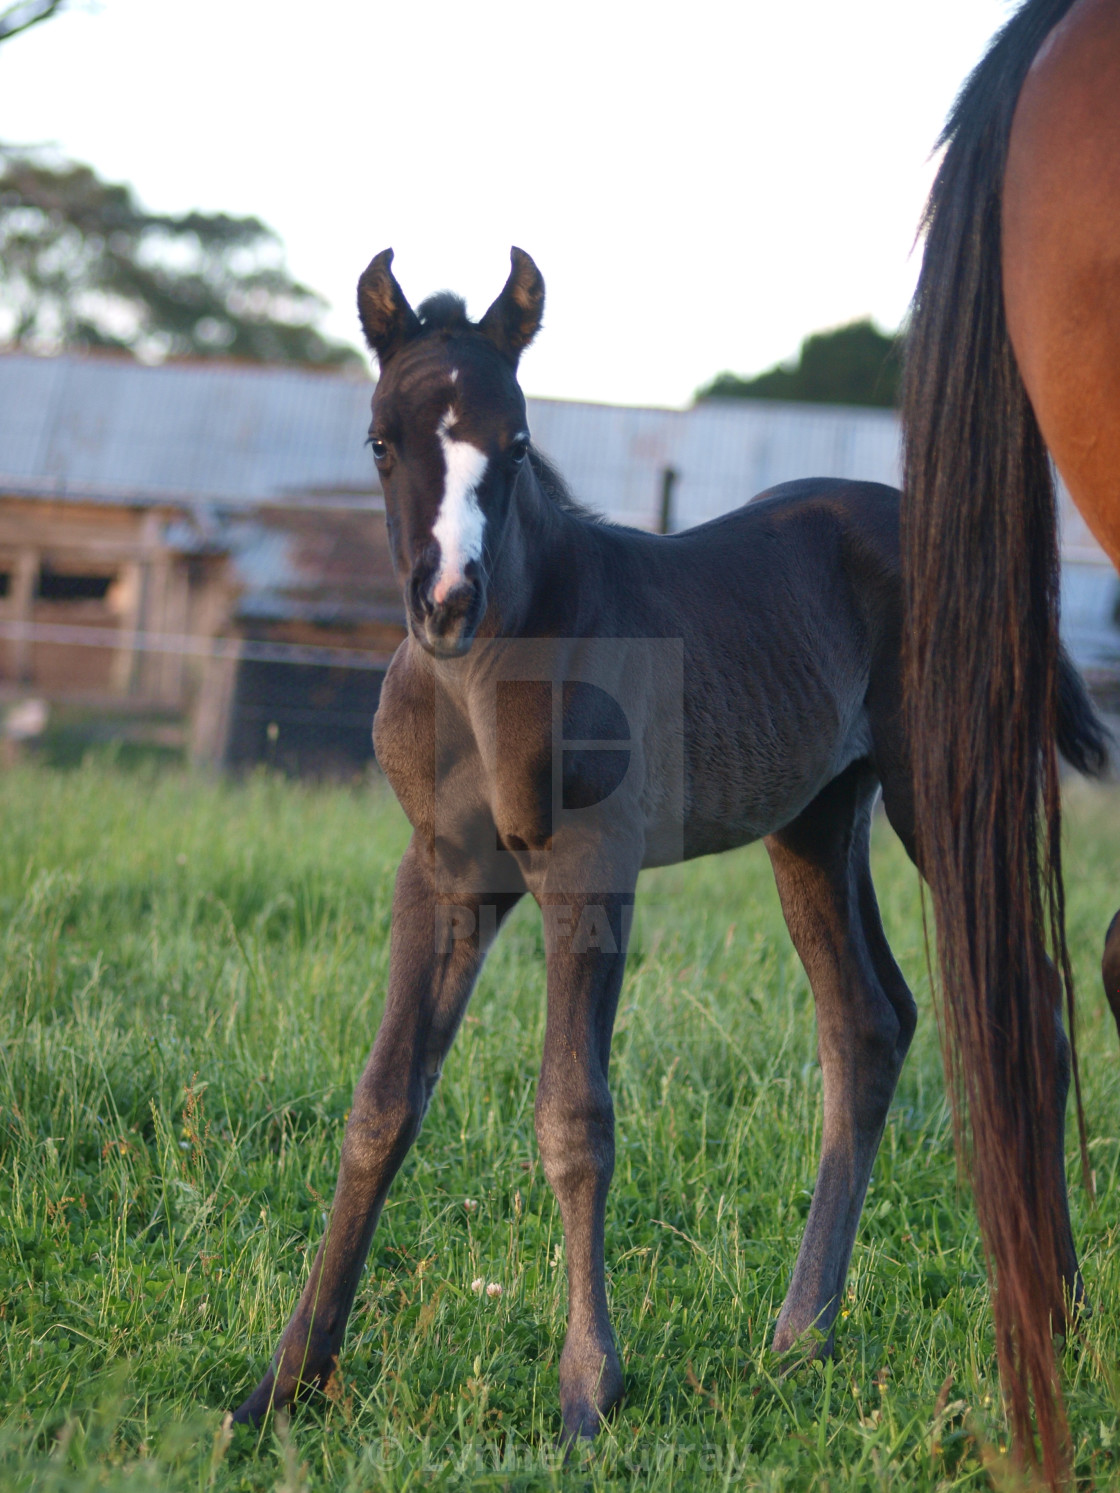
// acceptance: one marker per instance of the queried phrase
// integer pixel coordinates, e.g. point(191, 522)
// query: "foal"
point(574, 702)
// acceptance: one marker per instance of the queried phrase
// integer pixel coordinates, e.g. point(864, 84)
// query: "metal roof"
point(724, 452)
point(94, 427)
point(113, 429)
point(186, 434)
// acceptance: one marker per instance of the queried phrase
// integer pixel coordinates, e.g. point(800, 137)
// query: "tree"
point(856, 364)
point(26, 13)
point(83, 265)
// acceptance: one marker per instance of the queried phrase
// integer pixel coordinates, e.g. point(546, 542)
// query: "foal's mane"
point(444, 312)
point(447, 312)
point(556, 490)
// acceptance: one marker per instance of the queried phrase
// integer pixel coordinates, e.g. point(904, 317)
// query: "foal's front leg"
point(435, 955)
point(585, 939)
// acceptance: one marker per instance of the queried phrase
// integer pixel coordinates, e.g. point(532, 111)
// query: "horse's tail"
point(983, 686)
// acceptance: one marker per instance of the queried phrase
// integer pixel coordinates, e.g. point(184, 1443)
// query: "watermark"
point(559, 769)
point(655, 1458)
point(576, 927)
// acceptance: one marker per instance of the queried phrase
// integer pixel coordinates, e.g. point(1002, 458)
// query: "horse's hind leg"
point(1110, 968)
point(865, 1019)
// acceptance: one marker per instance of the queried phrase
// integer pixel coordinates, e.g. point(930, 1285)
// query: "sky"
point(702, 185)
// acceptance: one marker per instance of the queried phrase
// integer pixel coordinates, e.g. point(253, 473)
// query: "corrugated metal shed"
point(723, 452)
point(111, 428)
point(303, 566)
point(231, 518)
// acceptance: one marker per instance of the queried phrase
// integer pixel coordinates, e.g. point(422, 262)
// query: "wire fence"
point(188, 645)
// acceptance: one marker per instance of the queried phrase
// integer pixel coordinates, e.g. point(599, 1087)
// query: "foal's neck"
point(548, 555)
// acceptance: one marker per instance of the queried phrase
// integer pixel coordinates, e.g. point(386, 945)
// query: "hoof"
point(580, 1428)
point(1076, 1315)
point(588, 1395)
point(252, 1412)
point(804, 1345)
point(270, 1397)
point(295, 1373)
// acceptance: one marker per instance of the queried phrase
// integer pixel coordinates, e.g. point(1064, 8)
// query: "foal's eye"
point(378, 447)
point(519, 448)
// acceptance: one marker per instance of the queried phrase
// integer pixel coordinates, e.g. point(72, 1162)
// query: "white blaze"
point(460, 521)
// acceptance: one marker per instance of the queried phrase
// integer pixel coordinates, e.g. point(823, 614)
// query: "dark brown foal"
point(575, 702)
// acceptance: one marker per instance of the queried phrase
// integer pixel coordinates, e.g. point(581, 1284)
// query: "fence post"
point(669, 476)
point(25, 582)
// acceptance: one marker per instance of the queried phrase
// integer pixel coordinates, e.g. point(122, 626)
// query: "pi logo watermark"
point(559, 768)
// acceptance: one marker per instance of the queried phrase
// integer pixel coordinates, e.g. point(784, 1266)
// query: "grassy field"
point(192, 974)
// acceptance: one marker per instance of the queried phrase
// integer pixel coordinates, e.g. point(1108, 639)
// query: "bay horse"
point(576, 701)
point(1013, 356)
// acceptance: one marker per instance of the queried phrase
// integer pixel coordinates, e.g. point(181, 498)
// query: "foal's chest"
point(528, 755)
point(404, 739)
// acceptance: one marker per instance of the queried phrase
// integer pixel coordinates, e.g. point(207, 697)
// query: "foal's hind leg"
point(865, 1019)
point(1110, 968)
point(1074, 1286)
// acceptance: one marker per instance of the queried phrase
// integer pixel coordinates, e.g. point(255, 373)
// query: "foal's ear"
point(515, 317)
point(387, 319)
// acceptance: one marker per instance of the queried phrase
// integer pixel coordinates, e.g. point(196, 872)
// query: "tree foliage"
point(856, 364)
point(24, 14)
point(83, 265)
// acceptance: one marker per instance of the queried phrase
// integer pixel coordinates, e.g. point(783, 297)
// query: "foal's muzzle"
point(445, 629)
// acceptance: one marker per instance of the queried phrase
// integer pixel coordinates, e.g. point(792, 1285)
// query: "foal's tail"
point(984, 685)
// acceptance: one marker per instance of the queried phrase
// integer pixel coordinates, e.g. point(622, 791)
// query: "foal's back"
point(789, 612)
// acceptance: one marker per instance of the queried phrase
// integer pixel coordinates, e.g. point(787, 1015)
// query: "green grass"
point(192, 975)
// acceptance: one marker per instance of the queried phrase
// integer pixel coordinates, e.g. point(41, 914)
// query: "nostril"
point(419, 601)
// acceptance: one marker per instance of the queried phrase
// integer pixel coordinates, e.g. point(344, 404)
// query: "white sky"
point(701, 184)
